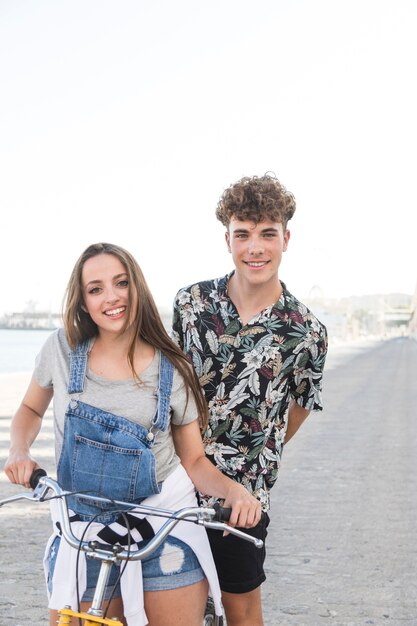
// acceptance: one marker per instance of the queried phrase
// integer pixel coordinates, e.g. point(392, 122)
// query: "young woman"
point(126, 412)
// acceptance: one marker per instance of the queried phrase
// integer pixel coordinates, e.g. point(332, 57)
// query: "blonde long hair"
point(143, 317)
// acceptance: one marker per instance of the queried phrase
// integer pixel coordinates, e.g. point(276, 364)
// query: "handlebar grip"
point(222, 513)
point(36, 475)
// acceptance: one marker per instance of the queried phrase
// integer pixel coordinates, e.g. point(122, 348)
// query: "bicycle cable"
point(117, 509)
point(77, 562)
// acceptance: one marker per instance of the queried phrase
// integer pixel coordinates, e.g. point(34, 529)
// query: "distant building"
point(45, 320)
point(356, 316)
point(31, 320)
point(413, 320)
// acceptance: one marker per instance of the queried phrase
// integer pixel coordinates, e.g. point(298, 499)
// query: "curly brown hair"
point(256, 198)
point(143, 316)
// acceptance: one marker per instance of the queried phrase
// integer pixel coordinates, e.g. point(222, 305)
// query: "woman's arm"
point(24, 429)
point(246, 510)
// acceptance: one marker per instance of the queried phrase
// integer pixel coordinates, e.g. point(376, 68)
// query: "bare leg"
point(177, 607)
point(243, 609)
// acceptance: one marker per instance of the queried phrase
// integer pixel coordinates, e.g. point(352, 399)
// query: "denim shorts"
point(171, 566)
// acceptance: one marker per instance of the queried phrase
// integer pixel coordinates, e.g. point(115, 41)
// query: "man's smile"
point(256, 263)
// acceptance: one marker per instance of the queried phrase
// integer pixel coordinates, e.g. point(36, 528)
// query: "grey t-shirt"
point(126, 398)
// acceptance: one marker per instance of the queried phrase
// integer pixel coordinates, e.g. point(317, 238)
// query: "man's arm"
point(296, 416)
point(176, 333)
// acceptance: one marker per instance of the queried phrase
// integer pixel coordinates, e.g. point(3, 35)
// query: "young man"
point(259, 354)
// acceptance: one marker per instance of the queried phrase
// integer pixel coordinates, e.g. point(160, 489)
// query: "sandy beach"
point(12, 388)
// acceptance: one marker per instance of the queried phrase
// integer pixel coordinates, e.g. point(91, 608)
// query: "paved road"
point(342, 545)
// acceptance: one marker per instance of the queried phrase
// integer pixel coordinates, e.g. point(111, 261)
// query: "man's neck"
point(250, 299)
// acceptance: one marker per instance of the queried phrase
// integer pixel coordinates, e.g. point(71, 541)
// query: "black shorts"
point(239, 563)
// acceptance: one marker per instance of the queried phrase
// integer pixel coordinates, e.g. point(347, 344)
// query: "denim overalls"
point(104, 454)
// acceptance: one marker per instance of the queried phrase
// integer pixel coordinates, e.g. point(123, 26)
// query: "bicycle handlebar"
point(222, 514)
point(36, 476)
point(213, 517)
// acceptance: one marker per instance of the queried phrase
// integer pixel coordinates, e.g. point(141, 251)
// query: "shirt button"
point(73, 404)
point(150, 436)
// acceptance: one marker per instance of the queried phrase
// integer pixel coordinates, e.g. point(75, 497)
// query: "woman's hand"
point(19, 467)
point(246, 509)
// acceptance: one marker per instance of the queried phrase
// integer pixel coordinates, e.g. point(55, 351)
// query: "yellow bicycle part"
point(89, 620)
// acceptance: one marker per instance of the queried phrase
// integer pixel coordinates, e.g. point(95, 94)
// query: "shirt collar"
point(281, 303)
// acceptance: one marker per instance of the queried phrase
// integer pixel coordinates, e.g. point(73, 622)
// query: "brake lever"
point(258, 543)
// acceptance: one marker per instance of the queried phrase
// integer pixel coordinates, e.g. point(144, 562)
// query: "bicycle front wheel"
point(210, 617)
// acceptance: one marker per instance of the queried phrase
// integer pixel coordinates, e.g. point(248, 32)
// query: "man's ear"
point(227, 237)
point(287, 236)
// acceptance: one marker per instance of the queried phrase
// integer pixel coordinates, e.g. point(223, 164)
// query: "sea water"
point(18, 349)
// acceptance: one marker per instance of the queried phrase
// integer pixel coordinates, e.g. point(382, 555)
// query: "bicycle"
point(114, 554)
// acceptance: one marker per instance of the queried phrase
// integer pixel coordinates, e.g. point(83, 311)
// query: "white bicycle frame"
point(203, 516)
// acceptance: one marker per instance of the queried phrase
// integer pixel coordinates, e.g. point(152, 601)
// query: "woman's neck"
point(109, 356)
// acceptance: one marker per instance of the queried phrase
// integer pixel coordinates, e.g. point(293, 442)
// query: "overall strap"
point(166, 375)
point(78, 367)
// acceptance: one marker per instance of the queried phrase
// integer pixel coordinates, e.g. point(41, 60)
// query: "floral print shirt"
point(249, 374)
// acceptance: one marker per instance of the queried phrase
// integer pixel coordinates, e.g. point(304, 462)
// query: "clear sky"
point(124, 121)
